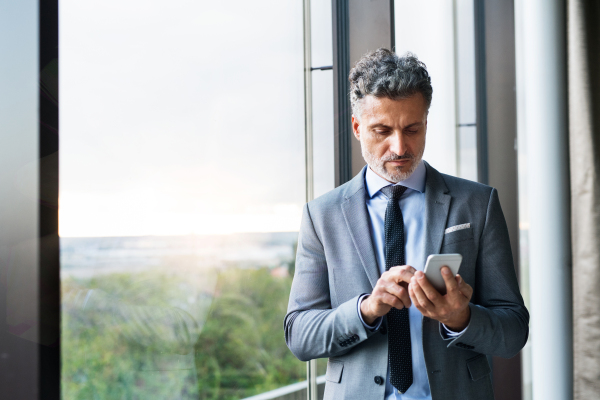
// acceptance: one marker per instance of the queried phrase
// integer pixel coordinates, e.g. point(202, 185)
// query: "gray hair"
point(382, 73)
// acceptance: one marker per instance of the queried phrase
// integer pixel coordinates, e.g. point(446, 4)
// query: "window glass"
point(435, 47)
point(321, 43)
point(447, 47)
point(182, 180)
point(464, 28)
point(323, 132)
point(322, 97)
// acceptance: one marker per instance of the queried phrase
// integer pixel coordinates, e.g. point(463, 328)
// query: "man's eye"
point(412, 131)
point(380, 131)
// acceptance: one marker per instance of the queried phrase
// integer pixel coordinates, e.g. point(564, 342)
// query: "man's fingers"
point(399, 292)
point(405, 297)
point(413, 296)
point(392, 301)
point(403, 267)
point(464, 287)
point(401, 273)
point(392, 295)
point(419, 295)
point(432, 294)
point(451, 283)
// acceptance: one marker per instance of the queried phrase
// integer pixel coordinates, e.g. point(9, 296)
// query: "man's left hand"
point(451, 309)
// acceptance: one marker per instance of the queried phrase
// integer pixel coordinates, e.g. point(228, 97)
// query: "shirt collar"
point(416, 181)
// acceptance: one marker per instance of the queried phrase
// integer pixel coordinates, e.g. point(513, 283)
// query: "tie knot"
point(394, 192)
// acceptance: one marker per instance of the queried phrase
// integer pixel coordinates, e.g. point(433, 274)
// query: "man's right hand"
point(391, 291)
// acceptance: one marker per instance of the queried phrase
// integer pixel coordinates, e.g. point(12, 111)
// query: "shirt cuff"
point(448, 334)
point(377, 322)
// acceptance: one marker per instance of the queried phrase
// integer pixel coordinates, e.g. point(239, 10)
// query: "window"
point(182, 183)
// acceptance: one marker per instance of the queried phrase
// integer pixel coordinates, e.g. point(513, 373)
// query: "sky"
point(180, 117)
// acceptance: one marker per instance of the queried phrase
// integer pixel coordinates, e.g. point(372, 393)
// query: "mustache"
point(394, 157)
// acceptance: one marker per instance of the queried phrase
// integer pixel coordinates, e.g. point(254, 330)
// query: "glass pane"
point(435, 47)
point(182, 185)
point(321, 34)
point(465, 89)
point(467, 161)
point(323, 134)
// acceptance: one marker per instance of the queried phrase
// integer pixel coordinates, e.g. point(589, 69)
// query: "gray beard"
point(378, 164)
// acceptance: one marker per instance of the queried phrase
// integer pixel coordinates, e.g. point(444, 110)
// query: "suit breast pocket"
point(461, 235)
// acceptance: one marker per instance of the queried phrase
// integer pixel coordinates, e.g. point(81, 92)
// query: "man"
point(359, 295)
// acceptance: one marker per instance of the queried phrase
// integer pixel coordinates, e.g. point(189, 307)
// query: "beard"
point(378, 164)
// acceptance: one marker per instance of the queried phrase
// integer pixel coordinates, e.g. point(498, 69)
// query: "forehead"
point(383, 109)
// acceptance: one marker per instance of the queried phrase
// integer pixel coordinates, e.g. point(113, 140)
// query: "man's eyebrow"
point(380, 125)
point(413, 124)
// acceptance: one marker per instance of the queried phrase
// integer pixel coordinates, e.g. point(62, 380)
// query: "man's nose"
point(397, 144)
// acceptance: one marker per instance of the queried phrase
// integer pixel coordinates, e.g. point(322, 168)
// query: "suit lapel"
point(437, 204)
point(357, 219)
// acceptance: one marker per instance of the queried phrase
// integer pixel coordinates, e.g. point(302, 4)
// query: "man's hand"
point(451, 309)
point(391, 291)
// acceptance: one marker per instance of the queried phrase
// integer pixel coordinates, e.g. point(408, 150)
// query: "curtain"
point(583, 30)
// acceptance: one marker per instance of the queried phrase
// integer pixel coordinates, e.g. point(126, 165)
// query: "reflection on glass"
point(182, 184)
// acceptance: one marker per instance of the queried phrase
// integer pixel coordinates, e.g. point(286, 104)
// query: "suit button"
point(379, 380)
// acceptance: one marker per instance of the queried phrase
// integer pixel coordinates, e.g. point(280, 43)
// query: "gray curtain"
point(584, 140)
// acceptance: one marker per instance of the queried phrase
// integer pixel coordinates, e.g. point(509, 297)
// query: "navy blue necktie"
point(399, 346)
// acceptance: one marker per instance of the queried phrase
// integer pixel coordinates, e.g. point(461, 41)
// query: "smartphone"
point(433, 269)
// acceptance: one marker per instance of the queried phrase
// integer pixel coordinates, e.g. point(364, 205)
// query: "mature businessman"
point(359, 296)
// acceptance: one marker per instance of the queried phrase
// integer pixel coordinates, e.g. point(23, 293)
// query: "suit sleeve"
point(312, 328)
point(499, 322)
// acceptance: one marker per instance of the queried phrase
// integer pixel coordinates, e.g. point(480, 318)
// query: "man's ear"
point(356, 127)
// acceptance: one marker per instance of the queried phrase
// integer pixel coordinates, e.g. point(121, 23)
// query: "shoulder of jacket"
point(333, 198)
point(460, 186)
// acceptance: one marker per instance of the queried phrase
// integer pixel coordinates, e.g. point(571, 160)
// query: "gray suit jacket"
point(336, 263)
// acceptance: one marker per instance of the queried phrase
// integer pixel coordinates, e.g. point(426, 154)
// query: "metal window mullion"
point(341, 69)
point(308, 125)
point(481, 93)
point(311, 366)
point(457, 152)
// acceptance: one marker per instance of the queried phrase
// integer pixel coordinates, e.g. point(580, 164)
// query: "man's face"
point(392, 135)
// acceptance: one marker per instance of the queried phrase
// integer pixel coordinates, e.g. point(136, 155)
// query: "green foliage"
point(238, 352)
point(242, 351)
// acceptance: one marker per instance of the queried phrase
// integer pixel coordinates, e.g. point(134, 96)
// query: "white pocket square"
point(457, 228)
